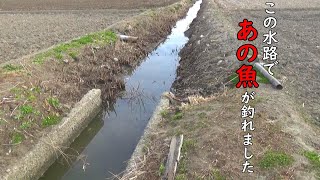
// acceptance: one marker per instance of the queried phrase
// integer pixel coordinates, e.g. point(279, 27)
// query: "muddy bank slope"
point(37, 92)
point(208, 59)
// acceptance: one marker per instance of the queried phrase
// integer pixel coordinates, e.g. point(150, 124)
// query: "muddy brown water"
point(105, 146)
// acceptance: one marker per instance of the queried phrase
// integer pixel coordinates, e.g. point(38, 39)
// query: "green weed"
point(83, 40)
point(108, 36)
point(73, 54)
point(104, 37)
point(182, 167)
point(54, 102)
point(152, 12)
point(66, 46)
point(17, 138)
point(181, 177)
point(188, 145)
point(50, 120)
point(2, 121)
point(313, 157)
point(37, 113)
point(58, 56)
point(31, 97)
point(177, 116)
point(260, 77)
point(162, 168)
point(234, 79)
point(216, 174)
point(18, 117)
point(177, 7)
point(40, 58)
point(164, 113)
point(11, 67)
point(272, 159)
point(25, 125)
point(18, 93)
point(26, 109)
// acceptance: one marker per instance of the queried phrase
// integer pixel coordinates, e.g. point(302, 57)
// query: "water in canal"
point(110, 139)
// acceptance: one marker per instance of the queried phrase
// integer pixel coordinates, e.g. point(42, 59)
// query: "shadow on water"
point(109, 141)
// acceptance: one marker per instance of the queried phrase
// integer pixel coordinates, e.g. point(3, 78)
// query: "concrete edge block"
point(49, 147)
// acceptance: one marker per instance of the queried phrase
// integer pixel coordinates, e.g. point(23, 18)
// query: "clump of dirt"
point(36, 96)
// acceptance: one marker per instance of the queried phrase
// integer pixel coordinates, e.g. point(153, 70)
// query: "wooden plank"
point(173, 157)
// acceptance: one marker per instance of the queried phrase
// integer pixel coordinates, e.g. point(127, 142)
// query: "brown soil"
point(96, 67)
point(213, 139)
point(8, 5)
point(209, 53)
point(285, 121)
point(26, 33)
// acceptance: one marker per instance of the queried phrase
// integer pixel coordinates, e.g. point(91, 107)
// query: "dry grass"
point(213, 127)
